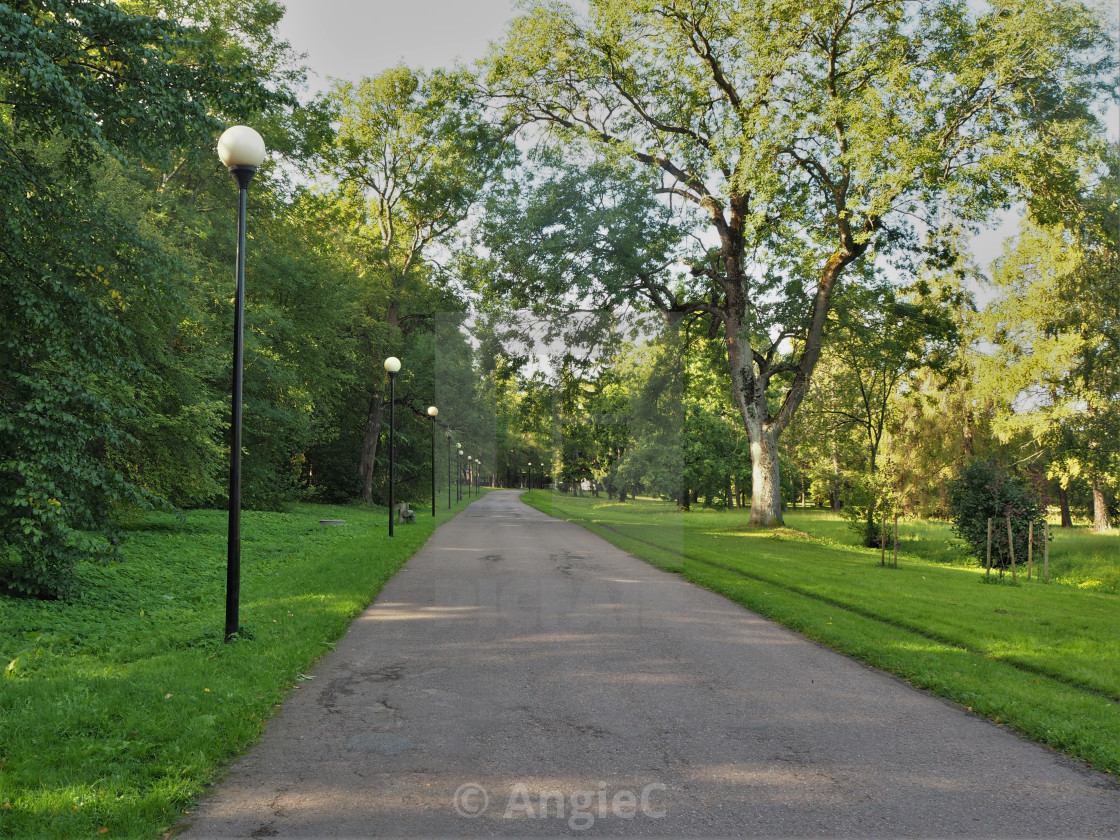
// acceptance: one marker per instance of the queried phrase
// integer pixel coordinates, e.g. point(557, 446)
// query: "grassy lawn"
point(1043, 659)
point(1078, 556)
point(121, 707)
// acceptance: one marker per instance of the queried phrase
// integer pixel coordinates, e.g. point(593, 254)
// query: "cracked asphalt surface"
point(522, 677)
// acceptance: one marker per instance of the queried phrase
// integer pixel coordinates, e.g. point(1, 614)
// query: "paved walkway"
point(521, 677)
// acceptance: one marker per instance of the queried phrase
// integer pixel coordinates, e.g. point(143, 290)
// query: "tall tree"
point(1056, 327)
point(412, 155)
point(84, 86)
point(881, 338)
point(804, 136)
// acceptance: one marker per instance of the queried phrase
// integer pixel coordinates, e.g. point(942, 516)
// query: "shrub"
point(986, 489)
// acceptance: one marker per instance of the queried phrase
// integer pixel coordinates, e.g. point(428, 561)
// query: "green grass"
point(1043, 659)
point(1078, 557)
point(118, 709)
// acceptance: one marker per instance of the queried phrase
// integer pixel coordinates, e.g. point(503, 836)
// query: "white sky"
point(352, 39)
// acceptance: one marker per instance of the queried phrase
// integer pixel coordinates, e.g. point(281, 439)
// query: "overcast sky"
point(351, 39)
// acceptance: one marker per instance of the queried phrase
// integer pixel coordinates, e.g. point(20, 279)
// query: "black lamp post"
point(432, 412)
point(449, 469)
point(458, 473)
point(392, 367)
point(242, 150)
point(530, 468)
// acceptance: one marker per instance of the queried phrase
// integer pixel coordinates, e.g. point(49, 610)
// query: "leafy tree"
point(801, 137)
point(942, 425)
point(881, 338)
point(411, 156)
point(654, 460)
point(172, 435)
point(713, 453)
point(576, 243)
point(83, 84)
point(177, 435)
point(1056, 330)
point(825, 446)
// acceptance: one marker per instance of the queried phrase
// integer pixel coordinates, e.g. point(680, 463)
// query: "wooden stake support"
point(1046, 553)
point(989, 564)
point(1030, 549)
point(1011, 546)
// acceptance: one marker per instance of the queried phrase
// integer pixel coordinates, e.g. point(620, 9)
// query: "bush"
point(986, 489)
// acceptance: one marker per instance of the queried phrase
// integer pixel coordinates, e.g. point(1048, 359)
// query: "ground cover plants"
point(120, 707)
point(1042, 659)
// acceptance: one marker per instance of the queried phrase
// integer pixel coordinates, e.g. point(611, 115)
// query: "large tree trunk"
point(766, 488)
point(1063, 505)
point(749, 387)
point(1100, 508)
point(370, 437)
point(750, 398)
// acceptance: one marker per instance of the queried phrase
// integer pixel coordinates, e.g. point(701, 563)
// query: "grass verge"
point(120, 708)
point(1044, 660)
point(1078, 556)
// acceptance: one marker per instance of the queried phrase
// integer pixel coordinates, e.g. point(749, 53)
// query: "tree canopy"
point(802, 137)
point(87, 90)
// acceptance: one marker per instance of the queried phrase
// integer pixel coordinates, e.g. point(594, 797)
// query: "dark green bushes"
point(987, 491)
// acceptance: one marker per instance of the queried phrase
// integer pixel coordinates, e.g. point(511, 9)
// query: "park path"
point(521, 677)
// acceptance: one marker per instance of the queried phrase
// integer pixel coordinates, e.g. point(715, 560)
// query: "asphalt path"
point(522, 677)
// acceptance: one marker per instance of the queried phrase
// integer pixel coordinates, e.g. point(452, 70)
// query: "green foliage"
point(799, 140)
point(883, 344)
point(88, 88)
point(103, 78)
point(572, 235)
point(987, 492)
point(411, 155)
point(1055, 330)
point(870, 504)
point(64, 381)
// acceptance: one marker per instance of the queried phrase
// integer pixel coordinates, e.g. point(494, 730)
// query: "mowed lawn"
point(1041, 658)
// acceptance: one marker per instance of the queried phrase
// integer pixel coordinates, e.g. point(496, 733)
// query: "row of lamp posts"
point(242, 150)
point(392, 367)
point(470, 472)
